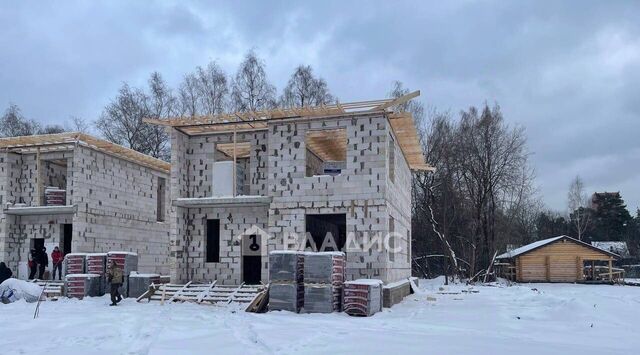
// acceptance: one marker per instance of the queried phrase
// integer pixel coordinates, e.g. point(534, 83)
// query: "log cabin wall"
point(561, 261)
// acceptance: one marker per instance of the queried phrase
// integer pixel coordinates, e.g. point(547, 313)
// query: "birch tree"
point(251, 90)
point(304, 89)
point(578, 202)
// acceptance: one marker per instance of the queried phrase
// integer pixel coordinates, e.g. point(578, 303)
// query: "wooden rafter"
point(402, 124)
point(51, 142)
point(243, 149)
point(404, 128)
point(328, 144)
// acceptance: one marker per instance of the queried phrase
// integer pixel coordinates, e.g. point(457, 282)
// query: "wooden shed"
point(559, 259)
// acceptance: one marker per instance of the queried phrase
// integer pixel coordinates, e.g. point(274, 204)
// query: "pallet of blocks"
point(139, 283)
point(128, 262)
point(74, 263)
point(96, 263)
point(82, 285)
point(324, 275)
point(286, 276)
point(362, 297)
point(54, 196)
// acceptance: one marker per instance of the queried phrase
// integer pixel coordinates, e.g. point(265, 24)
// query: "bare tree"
point(162, 104)
point(492, 158)
point(414, 106)
point(51, 129)
point(212, 88)
point(78, 124)
point(189, 96)
point(121, 120)
point(251, 91)
point(14, 124)
point(578, 203)
point(303, 89)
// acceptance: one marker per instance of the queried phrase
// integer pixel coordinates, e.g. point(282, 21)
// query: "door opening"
point(37, 243)
point(252, 259)
point(67, 234)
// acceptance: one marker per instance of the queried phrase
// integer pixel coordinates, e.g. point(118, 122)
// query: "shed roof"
point(53, 142)
point(402, 123)
point(540, 243)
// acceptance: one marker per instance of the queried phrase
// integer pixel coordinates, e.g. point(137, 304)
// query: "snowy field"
point(526, 319)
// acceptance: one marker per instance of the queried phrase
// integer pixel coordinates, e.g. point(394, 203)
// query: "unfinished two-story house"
point(81, 194)
point(245, 184)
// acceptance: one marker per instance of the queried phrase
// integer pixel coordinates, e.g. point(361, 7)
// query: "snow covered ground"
point(525, 319)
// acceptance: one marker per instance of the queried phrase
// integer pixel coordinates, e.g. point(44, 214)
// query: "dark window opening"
point(160, 196)
point(213, 241)
point(320, 225)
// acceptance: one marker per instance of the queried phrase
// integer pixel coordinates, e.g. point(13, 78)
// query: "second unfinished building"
point(81, 194)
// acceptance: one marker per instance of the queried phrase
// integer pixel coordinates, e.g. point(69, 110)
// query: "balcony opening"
point(54, 178)
point(224, 169)
point(326, 152)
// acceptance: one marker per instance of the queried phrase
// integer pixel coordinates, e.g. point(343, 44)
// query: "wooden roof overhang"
point(402, 124)
point(68, 140)
point(606, 254)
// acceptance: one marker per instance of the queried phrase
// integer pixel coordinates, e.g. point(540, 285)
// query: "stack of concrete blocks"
point(362, 297)
point(74, 263)
point(82, 285)
point(286, 276)
point(324, 276)
point(96, 263)
point(127, 262)
point(139, 283)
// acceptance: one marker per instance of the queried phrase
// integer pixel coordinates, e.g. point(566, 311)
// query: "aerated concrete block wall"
point(278, 169)
point(18, 184)
point(234, 221)
point(360, 191)
point(399, 208)
point(191, 173)
point(117, 209)
point(115, 199)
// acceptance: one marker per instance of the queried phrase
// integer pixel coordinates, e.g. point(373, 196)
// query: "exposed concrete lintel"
point(40, 210)
point(225, 201)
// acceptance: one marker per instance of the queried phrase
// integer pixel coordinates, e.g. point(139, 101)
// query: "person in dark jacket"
point(56, 260)
point(5, 272)
point(43, 262)
point(33, 264)
point(114, 276)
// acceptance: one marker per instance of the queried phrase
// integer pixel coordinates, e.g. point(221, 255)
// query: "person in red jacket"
point(56, 258)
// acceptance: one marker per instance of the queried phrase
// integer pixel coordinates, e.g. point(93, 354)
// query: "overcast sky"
point(568, 72)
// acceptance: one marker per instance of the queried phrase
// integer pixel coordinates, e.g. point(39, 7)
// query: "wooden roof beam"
point(399, 101)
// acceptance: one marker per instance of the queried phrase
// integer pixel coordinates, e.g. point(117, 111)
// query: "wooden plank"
point(547, 262)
